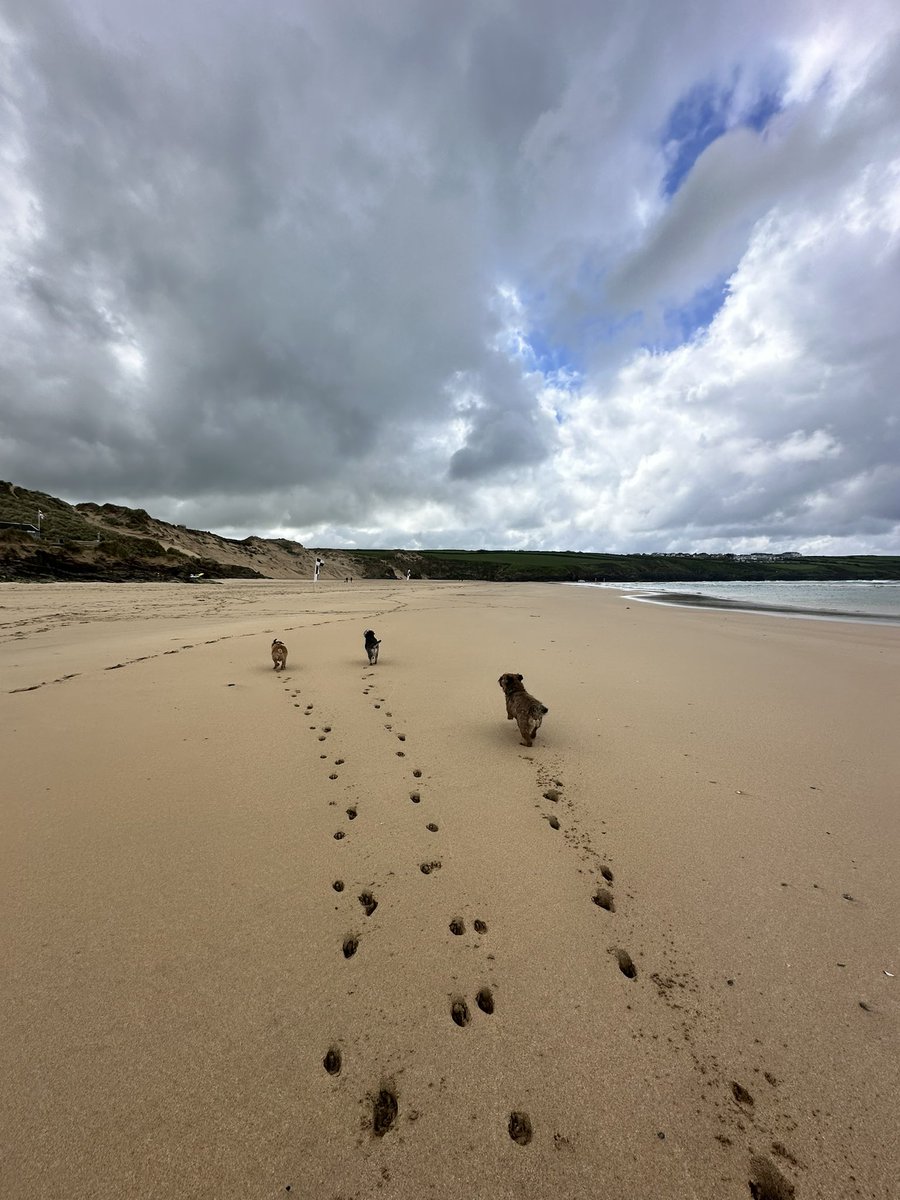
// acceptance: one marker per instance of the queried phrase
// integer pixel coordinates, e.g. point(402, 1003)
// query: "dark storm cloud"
point(287, 266)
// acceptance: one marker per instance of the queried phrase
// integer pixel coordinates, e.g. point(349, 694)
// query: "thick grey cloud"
point(394, 273)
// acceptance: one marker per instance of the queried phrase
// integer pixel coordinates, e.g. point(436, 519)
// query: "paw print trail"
point(483, 924)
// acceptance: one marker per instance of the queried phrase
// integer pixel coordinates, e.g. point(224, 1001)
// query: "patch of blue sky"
point(767, 106)
point(564, 361)
point(698, 314)
point(702, 116)
point(556, 362)
point(688, 321)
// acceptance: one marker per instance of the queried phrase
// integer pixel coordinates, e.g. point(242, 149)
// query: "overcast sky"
point(582, 275)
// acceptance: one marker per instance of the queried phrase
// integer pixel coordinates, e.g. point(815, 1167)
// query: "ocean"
point(866, 599)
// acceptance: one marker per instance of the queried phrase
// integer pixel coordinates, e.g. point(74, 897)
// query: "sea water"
point(858, 598)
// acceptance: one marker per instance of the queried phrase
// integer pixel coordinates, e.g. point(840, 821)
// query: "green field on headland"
point(565, 566)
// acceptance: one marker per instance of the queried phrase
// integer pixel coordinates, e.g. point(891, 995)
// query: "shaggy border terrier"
point(372, 643)
point(279, 654)
point(527, 711)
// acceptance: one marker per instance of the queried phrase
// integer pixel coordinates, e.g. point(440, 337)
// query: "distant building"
point(768, 556)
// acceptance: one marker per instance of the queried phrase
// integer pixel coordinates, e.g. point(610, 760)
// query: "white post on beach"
point(319, 563)
point(408, 573)
point(40, 518)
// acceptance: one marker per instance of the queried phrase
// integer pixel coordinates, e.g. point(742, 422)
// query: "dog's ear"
point(520, 678)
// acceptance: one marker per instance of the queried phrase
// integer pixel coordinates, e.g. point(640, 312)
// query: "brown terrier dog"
point(279, 654)
point(527, 711)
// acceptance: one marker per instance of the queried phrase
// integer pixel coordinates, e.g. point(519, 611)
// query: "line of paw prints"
point(383, 1104)
point(766, 1181)
point(129, 662)
point(602, 896)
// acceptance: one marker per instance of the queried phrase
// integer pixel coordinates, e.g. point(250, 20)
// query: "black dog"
point(372, 644)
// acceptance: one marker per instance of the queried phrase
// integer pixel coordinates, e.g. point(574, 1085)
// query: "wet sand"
point(698, 600)
point(334, 932)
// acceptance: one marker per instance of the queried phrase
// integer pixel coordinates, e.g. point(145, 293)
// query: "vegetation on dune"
point(61, 520)
point(90, 542)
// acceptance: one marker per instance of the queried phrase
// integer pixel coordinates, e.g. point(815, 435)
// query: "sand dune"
point(334, 932)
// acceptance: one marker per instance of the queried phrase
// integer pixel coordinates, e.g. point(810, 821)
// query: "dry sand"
point(175, 972)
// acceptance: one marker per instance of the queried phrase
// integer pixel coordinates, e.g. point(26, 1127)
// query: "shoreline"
point(698, 600)
point(334, 929)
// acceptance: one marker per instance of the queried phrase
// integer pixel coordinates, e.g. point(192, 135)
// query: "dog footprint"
point(485, 1001)
point(432, 827)
point(767, 1182)
point(519, 1127)
point(604, 899)
point(626, 964)
point(459, 1011)
point(351, 945)
point(332, 1061)
point(351, 814)
point(479, 926)
point(415, 797)
point(458, 926)
point(384, 1111)
point(427, 867)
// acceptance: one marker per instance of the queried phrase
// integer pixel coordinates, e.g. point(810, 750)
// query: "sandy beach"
point(335, 933)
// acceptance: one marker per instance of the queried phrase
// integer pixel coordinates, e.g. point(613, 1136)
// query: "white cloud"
point(780, 413)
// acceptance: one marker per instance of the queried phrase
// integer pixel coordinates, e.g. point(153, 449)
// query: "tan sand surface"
point(173, 945)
